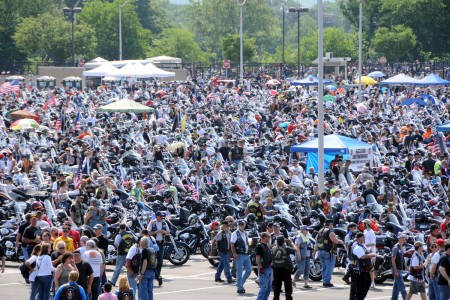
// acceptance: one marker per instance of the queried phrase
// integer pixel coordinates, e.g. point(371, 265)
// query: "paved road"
point(195, 280)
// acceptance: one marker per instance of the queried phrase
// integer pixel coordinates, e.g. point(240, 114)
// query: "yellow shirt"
point(68, 241)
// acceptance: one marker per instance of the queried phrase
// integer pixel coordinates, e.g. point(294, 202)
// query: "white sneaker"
point(372, 286)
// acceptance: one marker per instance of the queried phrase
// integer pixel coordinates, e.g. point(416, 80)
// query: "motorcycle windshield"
point(393, 219)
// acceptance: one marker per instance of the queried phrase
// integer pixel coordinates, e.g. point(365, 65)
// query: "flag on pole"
point(78, 122)
point(77, 179)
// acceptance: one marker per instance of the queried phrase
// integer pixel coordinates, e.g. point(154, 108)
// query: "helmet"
point(291, 197)
point(36, 205)
point(193, 219)
point(61, 215)
point(351, 225)
point(292, 204)
point(277, 219)
point(251, 218)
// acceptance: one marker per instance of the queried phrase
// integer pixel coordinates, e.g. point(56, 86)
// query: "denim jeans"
point(25, 254)
point(44, 283)
point(327, 260)
point(433, 289)
point(160, 258)
point(399, 287)
point(444, 291)
point(146, 285)
point(132, 281)
point(33, 290)
point(224, 265)
point(303, 268)
point(242, 262)
point(120, 262)
point(96, 288)
point(265, 283)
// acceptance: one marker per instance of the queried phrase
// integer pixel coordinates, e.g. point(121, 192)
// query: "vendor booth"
point(358, 152)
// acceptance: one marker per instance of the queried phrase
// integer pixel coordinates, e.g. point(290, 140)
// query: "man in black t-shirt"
point(86, 273)
point(19, 236)
point(444, 276)
point(264, 261)
point(146, 271)
point(32, 235)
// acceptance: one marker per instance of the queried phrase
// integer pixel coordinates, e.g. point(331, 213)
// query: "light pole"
point(284, 43)
point(298, 10)
point(360, 52)
point(75, 10)
point(241, 48)
point(320, 150)
point(120, 28)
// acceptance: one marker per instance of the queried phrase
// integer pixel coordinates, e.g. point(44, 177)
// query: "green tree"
point(12, 12)
point(335, 40)
point(395, 42)
point(49, 38)
point(179, 42)
point(230, 45)
point(104, 17)
point(151, 15)
point(210, 20)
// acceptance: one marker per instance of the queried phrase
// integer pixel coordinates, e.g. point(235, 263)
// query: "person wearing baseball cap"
point(416, 275)
point(437, 248)
point(397, 255)
point(361, 273)
point(222, 240)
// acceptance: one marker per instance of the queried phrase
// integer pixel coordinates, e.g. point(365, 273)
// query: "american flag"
point(9, 87)
point(78, 122)
point(195, 195)
point(344, 210)
point(77, 179)
point(194, 98)
point(434, 147)
point(58, 124)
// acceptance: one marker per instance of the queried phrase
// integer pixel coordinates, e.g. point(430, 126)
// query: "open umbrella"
point(332, 87)
point(23, 114)
point(329, 98)
point(366, 80)
point(24, 124)
point(376, 74)
point(160, 93)
point(273, 82)
point(125, 106)
point(361, 108)
point(285, 124)
point(175, 146)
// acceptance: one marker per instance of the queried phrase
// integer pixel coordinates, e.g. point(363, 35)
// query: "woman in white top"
point(44, 268)
point(33, 271)
point(335, 198)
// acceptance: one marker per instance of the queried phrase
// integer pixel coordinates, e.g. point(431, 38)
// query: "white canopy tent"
point(100, 71)
point(400, 79)
point(164, 60)
point(130, 70)
point(154, 71)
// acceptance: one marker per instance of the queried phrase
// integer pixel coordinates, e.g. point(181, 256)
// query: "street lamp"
point(241, 48)
point(284, 43)
point(75, 10)
point(120, 28)
point(320, 150)
point(298, 10)
point(360, 52)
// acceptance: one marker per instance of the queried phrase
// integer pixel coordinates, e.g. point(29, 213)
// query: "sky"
point(307, 3)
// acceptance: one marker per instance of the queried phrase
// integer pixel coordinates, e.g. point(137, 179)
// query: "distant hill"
point(307, 3)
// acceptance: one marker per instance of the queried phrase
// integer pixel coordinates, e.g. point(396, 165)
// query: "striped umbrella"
point(24, 124)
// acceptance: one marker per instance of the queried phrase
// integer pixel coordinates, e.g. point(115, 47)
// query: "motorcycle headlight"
point(111, 248)
point(4, 231)
point(9, 244)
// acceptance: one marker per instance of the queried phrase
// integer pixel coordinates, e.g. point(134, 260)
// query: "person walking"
point(239, 248)
point(222, 241)
point(349, 238)
point(94, 258)
point(416, 275)
point(444, 271)
point(158, 229)
point(281, 265)
point(123, 242)
point(31, 236)
point(146, 270)
point(303, 249)
point(44, 272)
point(363, 258)
point(71, 290)
point(370, 240)
point(63, 270)
point(85, 272)
point(432, 266)
point(31, 264)
point(398, 265)
point(326, 239)
point(264, 262)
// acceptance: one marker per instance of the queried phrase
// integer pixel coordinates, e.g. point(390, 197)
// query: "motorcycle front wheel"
point(315, 270)
point(180, 255)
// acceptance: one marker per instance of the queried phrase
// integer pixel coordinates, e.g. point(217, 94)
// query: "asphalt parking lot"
point(195, 280)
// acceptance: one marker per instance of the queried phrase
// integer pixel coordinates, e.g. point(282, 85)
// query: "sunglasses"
point(77, 254)
point(61, 248)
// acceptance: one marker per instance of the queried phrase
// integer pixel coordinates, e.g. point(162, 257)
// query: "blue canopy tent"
point(333, 144)
point(444, 127)
point(309, 80)
point(418, 101)
point(432, 79)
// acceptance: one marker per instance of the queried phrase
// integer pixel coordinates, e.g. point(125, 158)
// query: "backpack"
point(136, 261)
point(151, 261)
point(70, 292)
point(127, 240)
point(125, 295)
point(25, 271)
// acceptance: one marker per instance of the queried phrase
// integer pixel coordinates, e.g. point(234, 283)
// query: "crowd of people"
point(220, 126)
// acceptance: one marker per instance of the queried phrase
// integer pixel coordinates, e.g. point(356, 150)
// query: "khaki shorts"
point(416, 287)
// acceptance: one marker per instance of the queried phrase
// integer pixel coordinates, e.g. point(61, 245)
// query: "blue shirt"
point(82, 292)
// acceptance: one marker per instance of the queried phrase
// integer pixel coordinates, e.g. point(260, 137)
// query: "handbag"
point(25, 271)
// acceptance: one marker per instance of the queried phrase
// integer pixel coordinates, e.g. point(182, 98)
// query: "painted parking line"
point(190, 290)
